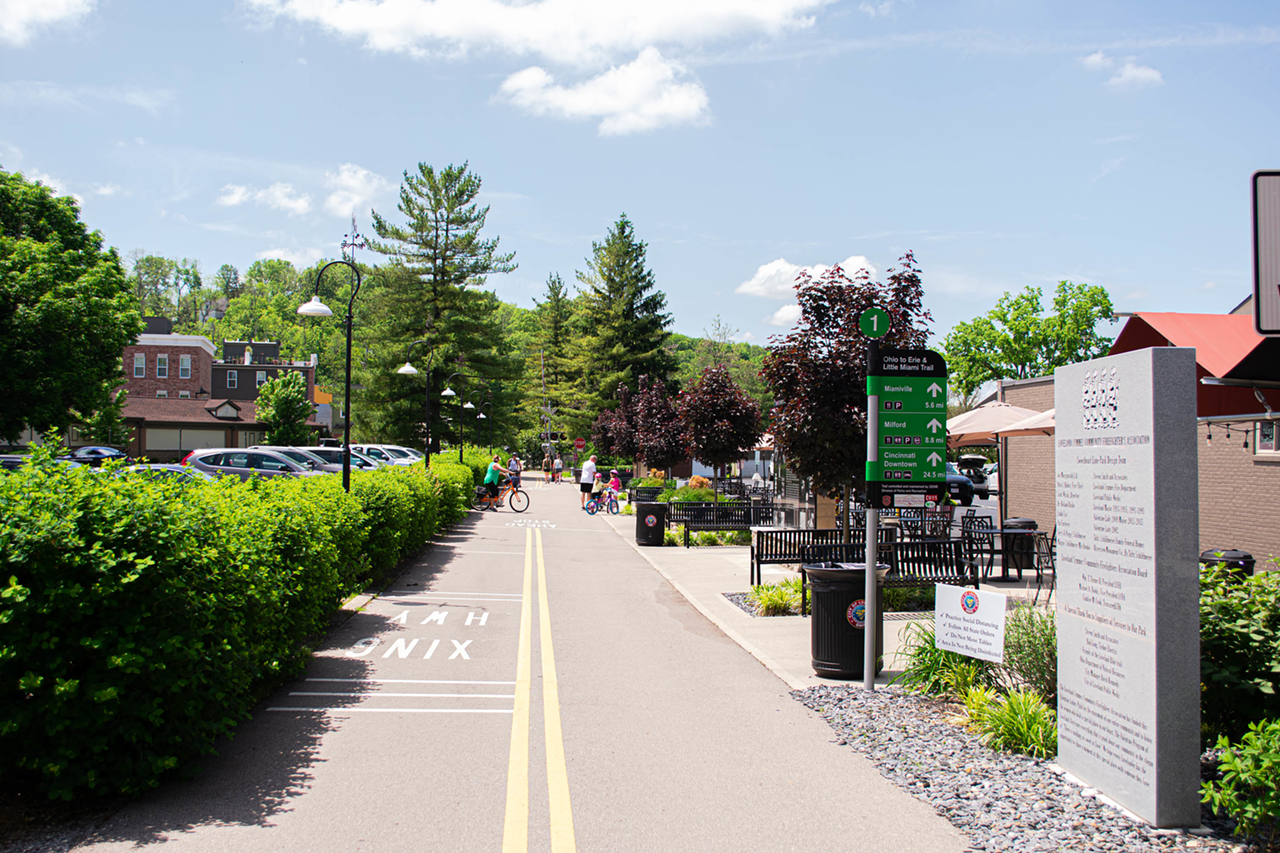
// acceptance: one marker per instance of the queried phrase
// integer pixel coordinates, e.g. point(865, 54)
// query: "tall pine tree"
point(624, 323)
point(434, 286)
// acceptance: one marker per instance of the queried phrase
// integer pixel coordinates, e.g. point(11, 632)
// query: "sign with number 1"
point(874, 322)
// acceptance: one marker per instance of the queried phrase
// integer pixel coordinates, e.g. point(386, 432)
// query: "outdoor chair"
point(911, 521)
point(1046, 548)
point(937, 522)
point(979, 536)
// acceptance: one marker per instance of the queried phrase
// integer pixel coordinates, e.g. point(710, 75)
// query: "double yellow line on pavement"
point(515, 832)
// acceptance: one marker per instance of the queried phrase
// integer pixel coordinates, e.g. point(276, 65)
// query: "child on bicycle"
point(597, 488)
point(615, 485)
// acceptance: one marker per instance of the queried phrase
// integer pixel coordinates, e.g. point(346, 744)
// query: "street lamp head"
point(467, 405)
point(408, 370)
point(481, 415)
point(315, 308)
point(448, 392)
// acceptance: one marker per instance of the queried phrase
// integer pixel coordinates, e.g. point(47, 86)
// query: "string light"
point(1208, 436)
point(1245, 448)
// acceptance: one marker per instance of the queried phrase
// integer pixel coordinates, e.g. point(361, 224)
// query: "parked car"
point(959, 487)
point(993, 478)
point(387, 454)
point(972, 466)
point(245, 463)
point(170, 471)
point(302, 457)
point(12, 462)
point(333, 455)
point(95, 456)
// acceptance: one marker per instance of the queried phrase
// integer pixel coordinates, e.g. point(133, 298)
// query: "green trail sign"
point(908, 464)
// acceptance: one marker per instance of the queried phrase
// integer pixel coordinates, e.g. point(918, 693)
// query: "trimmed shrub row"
point(140, 618)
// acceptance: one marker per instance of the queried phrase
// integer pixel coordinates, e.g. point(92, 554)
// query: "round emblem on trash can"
point(969, 602)
point(857, 614)
point(650, 520)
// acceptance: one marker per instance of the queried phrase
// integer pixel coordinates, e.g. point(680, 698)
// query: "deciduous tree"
point(721, 421)
point(660, 434)
point(66, 310)
point(283, 408)
point(1015, 341)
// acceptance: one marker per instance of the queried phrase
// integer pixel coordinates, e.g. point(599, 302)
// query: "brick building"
point(183, 398)
point(1238, 459)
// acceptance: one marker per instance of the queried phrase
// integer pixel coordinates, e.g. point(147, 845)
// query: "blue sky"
point(1007, 144)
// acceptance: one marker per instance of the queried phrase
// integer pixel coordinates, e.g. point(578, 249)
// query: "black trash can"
point(1018, 550)
point(651, 523)
point(837, 622)
point(1240, 563)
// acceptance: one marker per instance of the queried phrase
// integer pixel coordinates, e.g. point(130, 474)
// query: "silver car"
point(245, 463)
point(302, 457)
point(333, 455)
point(387, 454)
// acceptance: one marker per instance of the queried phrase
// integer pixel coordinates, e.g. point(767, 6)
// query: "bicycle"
point(519, 498)
point(607, 500)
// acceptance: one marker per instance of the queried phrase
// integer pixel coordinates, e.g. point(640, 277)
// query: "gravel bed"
point(1001, 801)
point(740, 600)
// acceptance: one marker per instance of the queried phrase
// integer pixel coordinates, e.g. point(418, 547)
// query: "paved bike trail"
point(531, 683)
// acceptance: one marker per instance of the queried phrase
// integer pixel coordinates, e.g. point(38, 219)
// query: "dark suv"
point(959, 487)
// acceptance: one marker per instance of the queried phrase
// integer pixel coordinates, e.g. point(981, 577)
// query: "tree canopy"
point(66, 311)
point(721, 421)
point(283, 408)
point(1015, 341)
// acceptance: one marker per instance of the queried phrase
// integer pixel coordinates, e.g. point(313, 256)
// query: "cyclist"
point(515, 466)
point(491, 480)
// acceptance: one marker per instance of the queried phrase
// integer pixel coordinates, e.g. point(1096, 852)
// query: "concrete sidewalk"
point(782, 643)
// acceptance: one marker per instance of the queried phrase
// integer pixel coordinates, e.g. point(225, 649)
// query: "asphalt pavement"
point(535, 682)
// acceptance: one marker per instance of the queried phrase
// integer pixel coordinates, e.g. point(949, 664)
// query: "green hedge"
point(140, 619)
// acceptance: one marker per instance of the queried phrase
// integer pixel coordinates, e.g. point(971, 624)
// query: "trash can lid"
point(1224, 555)
point(1020, 522)
point(842, 571)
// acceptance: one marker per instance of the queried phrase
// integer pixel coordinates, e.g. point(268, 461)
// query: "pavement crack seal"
point(515, 835)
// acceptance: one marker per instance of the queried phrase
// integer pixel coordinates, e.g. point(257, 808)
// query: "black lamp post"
point(489, 405)
point(409, 370)
point(449, 392)
point(316, 308)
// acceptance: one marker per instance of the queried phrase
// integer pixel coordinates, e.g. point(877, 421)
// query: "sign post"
point(906, 446)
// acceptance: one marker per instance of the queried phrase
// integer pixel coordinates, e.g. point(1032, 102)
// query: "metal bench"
point(922, 562)
point(782, 545)
point(707, 515)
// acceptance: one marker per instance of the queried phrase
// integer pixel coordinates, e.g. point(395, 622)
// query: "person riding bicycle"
point(597, 488)
point(515, 466)
point(615, 485)
point(491, 480)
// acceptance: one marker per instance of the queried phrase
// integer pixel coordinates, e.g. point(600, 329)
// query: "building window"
point(1266, 442)
point(184, 367)
point(162, 367)
point(262, 377)
point(139, 365)
point(232, 378)
point(184, 395)
point(162, 395)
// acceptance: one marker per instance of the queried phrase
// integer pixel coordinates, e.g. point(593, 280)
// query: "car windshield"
point(397, 452)
point(951, 469)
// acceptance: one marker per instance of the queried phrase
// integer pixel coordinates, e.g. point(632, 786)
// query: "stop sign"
point(579, 444)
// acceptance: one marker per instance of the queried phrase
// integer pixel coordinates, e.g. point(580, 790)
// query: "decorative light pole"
point(316, 308)
point(449, 392)
point(410, 370)
point(482, 416)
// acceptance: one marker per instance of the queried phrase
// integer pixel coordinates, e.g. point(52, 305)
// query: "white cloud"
point(880, 10)
point(278, 196)
point(19, 19)
point(107, 189)
point(1107, 168)
point(645, 94)
point(1097, 61)
point(43, 93)
point(300, 258)
point(776, 279)
point(748, 336)
point(575, 32)
point(1132, 76)
point(234, 194)
point(784, 316)
point(354, 189)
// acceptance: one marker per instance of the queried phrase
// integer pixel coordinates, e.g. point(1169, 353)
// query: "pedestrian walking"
point(546, 467)
point(587, 480)
point(559, 469)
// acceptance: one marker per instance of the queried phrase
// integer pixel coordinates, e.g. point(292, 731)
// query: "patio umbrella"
point(1041, 424)
point(980, 425)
